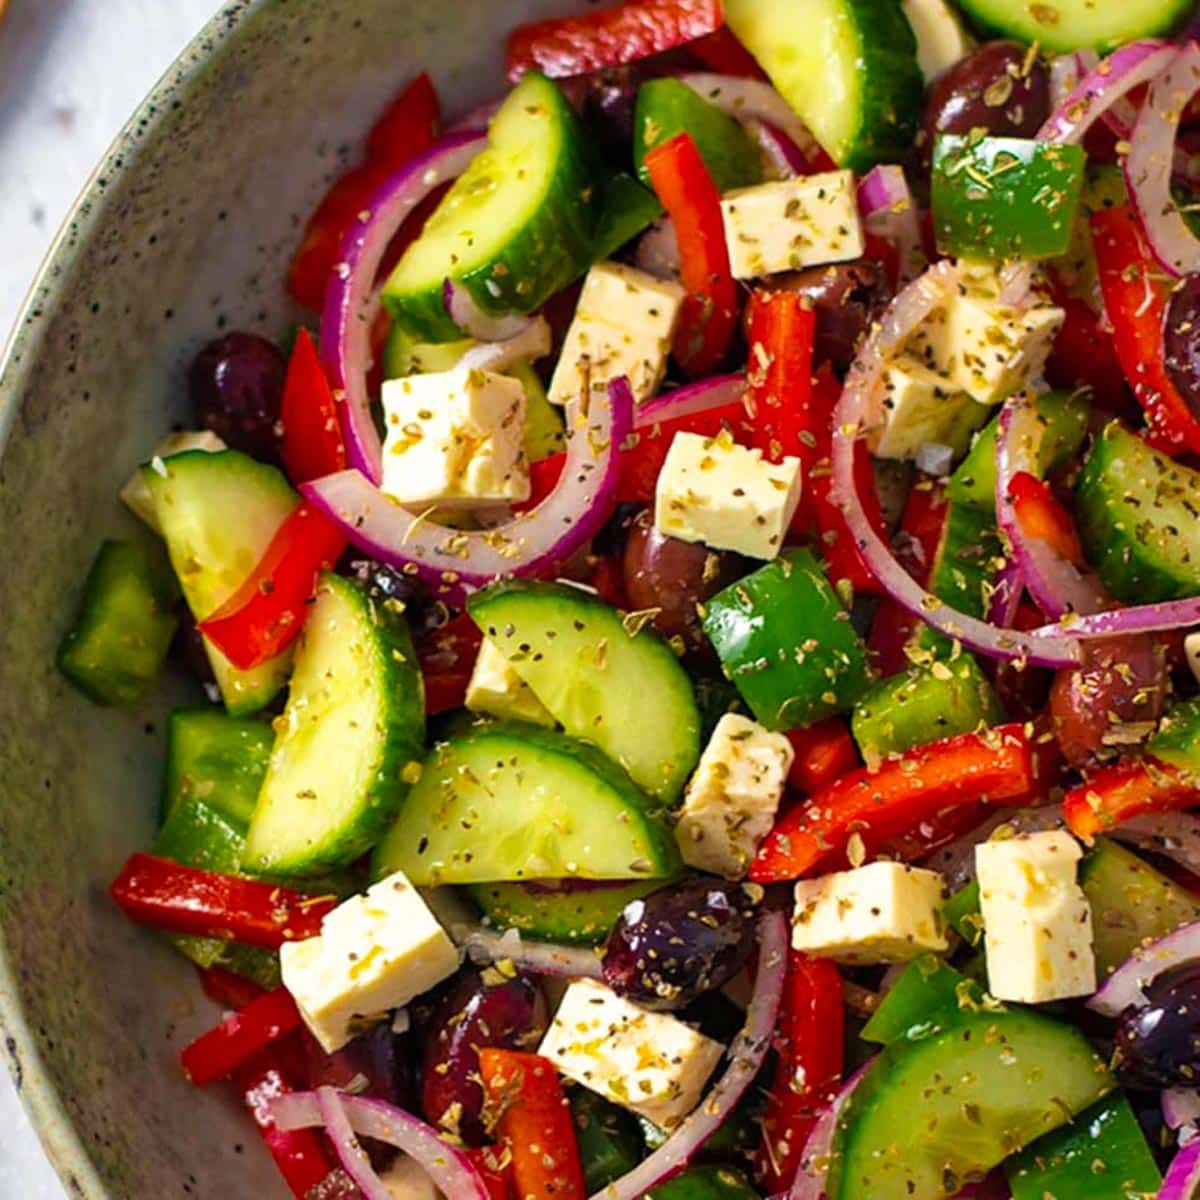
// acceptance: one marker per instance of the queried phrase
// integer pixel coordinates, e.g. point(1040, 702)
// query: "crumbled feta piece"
point(1191, 647)
point(651, 1063)
point(1037, 921)
point(714, 491)
point(918, 408)
point(941, 39)
point(455, 439)
point(496, 689)
point(792, 223)
point(374, 953)
point(732, 798)
point(136, 493)
point(624, 325)
point(884, 912)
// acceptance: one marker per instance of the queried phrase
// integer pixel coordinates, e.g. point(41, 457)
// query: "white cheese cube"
point(651, 1063)
point(1191, 647)
point(136, 492)
point(624, 325)
point(714, 491)
point(732, 798)
point(374, 953)
point(792, 223)
point(455, 439)
point(941, 39)
point(496, 689)
point(919, 408)
point(1037, 921)
point(884, 912)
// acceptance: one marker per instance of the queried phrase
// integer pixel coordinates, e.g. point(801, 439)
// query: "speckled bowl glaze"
point(185, 229)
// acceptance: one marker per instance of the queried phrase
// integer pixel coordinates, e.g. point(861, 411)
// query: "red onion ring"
point(1180, 1107)
point(1005, 599)
point(746, 1054)
point(350, 299)
point(532, 341)
point(785, 156)
point(1183, 1175)
point(1143, 618)
point(350, 1153)
point(809, 1183)
point(657, 250)
point(1067, 70)
point(888, 210)
point(1124, 988)
point(454, 560)
point(476, 323)
point(540, 958)
point(714, 392)
point(746, 99)
point(1174, 835)
point(477, 119)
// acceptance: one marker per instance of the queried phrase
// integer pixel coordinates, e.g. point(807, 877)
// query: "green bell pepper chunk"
point(1177, 739)
point(962, 913)
point(609, 1142)
point(1002, 198)
point(925, 993)
point(626, 209)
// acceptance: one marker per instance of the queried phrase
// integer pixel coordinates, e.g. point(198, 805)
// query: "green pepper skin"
point(609, 1142)
point(926, 994)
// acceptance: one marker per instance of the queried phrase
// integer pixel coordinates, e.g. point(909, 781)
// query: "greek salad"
point(694, 624)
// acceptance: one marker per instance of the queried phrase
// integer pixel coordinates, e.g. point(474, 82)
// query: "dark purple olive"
point(187, 648)
point(680, 942)
point(480, 1009)
point(1181, 340)
point(847, 298)
point(1000, 88)
point(613, 537)
point(236, 386)
point(673, 577)
point(422, 611)
point(1159, 1045)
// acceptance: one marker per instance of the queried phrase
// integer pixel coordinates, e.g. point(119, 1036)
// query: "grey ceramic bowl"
point(185, 229)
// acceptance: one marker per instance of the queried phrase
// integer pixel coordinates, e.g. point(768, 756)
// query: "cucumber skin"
point(221, 757)
point(1004, 18)
point(579, 918)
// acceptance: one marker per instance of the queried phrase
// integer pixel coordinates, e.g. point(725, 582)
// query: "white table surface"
point(71, 72)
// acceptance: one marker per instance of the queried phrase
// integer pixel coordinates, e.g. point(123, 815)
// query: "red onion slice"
point(351, 301)
point(746, 99)
point(1067, 70)
point(714, 392)
point(1005, 600)
point(477, 119)
point(810, 1178)
point(1174, 835)
point(657, 250)
point(1144, 618)
point(454, 560)
point(540, 958)
point(1180, 1107)
point(1182, 1180)
point(1125, 986)
point(785, 156)
point(529, 343)
point(888, 210)
point(473, 321)
point(1149, 165)
point(747, 1053)
point(350, 1153)
point(859, 408)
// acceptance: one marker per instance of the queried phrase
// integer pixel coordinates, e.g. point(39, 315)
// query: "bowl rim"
point(61, 1141)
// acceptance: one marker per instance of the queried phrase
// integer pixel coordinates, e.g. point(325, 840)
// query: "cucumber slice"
point(624, 692)
point(515, 802)
point(848, 67)
point(218, 513)
point(937, 1110)
point(515, 228)
point(1061, 25)
point(1136, 512)
point(705, 1183)
point(558, 910)
point(349, 741)
point(216, 758)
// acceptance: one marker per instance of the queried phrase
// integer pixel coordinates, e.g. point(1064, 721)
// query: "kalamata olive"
point(480, 1009)
point(422, 611)
point(847, 298)
point(1120, 689)
point(673, 577)
point(236, 386)
point(681, 941)
point(614, 536)
point(1000, 88)
point(1159, 1045)
point(612, 99)
point(1181, 340)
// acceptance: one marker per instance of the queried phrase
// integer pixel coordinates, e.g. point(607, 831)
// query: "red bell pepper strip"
point(312, 434)
point(609, 37)
point(227, 989)
point(495, 1169)
point(1128, 789)
point(686, 190)
point(881, 805)
point(824, 753)
point(178, 899)
point(780, 378)
point(1135, 301)
point(534, 1123)
point(240, 1037)
point(720, 51)
point(1083, 354)
point(1042, 516)
point(447, 658)
point(265, 615)
point(406, 127)
point(810, 1043)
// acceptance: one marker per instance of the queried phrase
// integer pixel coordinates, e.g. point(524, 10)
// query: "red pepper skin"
point(824, 753)
point(1128, 789)
point(178, 899)
point(240, 1037)
point(883, 805)
point(609, 37)
point(720, 51)
point(1042, 516)
point(1136, 306)
point(534, 1124)
point(810, 1043)
point(227, 989)
point(312, 434)
point(265, 615)
point(495, 1169)
point(709, 316)
point(780, 378)
point(1083, 354)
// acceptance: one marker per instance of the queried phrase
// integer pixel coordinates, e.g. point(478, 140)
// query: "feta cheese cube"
point(714, 491)
point(1191, 647)
point(941, 39)
point(732, 798)
point(624, 325)
point(792, 223)
point(1037, 921)
point(884, 912)
point(651, 1063)
point(918, 408)
point(455, 439)
point(496, 689)
point(136, 492)
point(375, 952)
